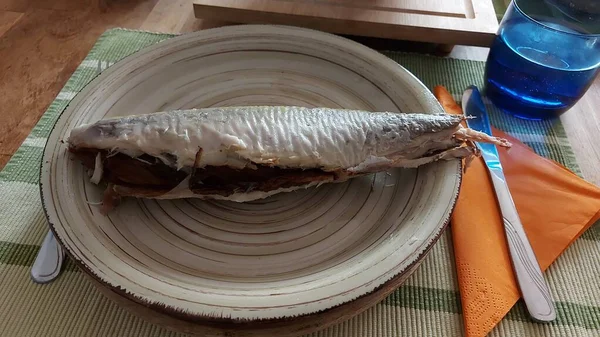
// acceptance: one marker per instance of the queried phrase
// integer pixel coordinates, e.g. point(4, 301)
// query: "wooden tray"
point(289, 264)
point(447, 22)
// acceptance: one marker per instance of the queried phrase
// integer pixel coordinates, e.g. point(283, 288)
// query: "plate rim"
point(395, 280)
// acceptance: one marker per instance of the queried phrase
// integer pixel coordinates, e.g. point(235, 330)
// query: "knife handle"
point(534, 289)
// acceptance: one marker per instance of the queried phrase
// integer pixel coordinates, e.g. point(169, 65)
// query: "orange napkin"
point(555, 206)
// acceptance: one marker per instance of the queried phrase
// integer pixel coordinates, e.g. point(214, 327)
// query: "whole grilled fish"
point(248, 153)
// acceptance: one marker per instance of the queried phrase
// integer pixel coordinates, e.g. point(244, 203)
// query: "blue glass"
point(545, 56)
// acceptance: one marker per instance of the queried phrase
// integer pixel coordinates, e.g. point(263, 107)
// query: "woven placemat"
point(427, 305)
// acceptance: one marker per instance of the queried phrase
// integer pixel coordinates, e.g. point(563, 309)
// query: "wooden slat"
point(582, 123)
point(455, 8)
point(176, 16)
point(467, 22)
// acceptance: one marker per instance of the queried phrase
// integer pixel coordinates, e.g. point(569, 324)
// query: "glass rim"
point(515, 3)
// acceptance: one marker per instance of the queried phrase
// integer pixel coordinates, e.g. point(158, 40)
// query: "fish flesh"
point(247, 153)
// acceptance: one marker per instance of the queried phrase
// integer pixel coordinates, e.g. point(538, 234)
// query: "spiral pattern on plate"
point(290, 254)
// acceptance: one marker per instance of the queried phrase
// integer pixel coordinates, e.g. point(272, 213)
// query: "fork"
point(48, 263)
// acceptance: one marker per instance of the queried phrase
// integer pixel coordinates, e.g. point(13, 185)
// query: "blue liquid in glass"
point(539, 73)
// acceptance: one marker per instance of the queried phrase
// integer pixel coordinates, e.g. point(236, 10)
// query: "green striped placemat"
point(427, 305)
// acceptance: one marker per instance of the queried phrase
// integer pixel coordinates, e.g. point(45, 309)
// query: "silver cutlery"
point(534, 289)
point(49, 261)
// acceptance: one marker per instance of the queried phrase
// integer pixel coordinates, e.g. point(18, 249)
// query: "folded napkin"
point(555, 206)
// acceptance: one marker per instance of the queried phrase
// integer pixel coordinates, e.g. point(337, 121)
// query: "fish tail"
point(470, 135)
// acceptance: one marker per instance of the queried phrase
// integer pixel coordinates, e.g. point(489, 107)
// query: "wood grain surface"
point(582, 124)
point(470, 22)
point(7, 20)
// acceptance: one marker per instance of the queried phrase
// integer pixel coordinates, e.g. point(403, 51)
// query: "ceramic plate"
point(291, 254)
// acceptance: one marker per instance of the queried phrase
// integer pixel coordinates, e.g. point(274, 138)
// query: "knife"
point(534, 289)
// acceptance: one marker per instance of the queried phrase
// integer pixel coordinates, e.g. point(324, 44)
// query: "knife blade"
point(530, 279)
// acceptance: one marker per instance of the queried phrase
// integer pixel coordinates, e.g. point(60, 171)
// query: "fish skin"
point(330, 139)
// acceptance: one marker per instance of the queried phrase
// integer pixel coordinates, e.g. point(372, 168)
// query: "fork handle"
point(48, 263)
point(534, 289)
